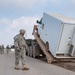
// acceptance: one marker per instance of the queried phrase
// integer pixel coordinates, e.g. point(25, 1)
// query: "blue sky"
point(22, 14)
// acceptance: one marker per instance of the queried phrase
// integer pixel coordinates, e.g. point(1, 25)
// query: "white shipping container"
point(58, 31)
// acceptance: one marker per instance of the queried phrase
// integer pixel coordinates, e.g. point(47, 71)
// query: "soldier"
point(2, 49)
point(7, 49)
point(20, 50)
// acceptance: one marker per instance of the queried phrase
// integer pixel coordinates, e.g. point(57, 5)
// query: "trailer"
point(55, 34)
point(34, 49)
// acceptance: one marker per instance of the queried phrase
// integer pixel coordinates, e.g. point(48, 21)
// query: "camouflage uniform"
point(0, 49)
point(7, 49)
point(20, 49)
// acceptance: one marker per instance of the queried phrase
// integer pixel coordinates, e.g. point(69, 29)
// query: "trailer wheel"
point(47, 46)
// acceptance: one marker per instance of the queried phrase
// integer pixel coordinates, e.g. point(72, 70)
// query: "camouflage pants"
point(20, 54)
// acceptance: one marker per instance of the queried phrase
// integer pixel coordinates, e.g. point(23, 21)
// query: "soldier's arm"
point(16, 43)
point(26, 44)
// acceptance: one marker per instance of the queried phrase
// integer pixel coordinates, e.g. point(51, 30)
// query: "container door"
point(65, 39)
point(73, 39)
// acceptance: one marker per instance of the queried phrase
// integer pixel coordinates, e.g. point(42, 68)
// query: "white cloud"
point(5, 21)
point(13, 27)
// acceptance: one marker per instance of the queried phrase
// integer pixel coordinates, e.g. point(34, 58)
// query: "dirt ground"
point(66, 65)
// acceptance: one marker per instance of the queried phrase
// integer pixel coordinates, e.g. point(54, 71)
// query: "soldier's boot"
point(17, 67)
point(24, 67)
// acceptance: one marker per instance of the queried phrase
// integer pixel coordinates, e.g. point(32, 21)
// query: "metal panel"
point(66, 38)
point(73, 39)
point(72, 47)
point(50, 32)
point(72, 50)
point(63, 18)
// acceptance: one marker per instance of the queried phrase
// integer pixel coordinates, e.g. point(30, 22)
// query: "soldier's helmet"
point(22, 31)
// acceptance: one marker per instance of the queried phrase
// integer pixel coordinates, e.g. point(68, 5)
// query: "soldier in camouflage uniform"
point(7, 49)
point(20, 50)
point(0, 49)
